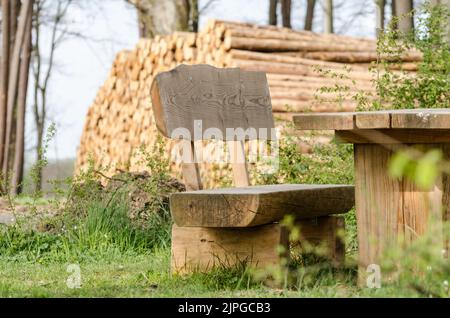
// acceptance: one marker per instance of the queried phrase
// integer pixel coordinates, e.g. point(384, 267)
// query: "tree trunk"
point(4, 74)
point(328, 16)
point(194, 15)
point(14, 15)
point(402, 9)
point(381, 4)
point(162, 17)
point(13, 81)
point(17, 178)
point(309, 15)
point(273, 12)
point(286, 12)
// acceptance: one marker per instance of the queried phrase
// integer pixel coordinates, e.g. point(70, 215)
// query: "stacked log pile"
point(299, 64)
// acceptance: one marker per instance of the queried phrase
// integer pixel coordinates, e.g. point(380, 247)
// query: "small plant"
point(430, 86)
point(396, 86)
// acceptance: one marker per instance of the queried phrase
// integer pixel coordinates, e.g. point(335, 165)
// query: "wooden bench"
point(227, 226)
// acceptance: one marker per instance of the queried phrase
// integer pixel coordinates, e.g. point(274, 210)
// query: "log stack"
point(299, 65)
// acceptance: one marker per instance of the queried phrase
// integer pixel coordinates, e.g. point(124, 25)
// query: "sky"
point(109, 26)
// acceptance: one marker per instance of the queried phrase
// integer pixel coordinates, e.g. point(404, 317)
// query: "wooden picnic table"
point(390, 210)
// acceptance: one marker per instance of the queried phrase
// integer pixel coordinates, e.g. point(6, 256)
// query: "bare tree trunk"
point(13, 80)
point(328, 16)
point(194, 15)
point(42, 74)
point(402, 9)
point(286, 13)
point(309, 15)
point(380, 6)
point(4, 74)
point(17, 178)
point(158, 17)
point(14, 9)
point(273, 12)
point(14, 16)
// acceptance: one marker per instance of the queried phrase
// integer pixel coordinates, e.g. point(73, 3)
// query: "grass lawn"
point(147, 275)
point(113, 272)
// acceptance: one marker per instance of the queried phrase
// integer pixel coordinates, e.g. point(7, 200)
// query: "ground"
point(40, 267)
point(147, 276)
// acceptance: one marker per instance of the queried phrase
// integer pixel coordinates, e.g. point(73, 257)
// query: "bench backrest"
point(203, 102)
point(206, 102)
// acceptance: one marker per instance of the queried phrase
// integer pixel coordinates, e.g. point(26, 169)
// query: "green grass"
point(117, 258)
point(147, 275)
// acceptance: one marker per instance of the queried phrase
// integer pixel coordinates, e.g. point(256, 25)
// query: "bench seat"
point(258, 205)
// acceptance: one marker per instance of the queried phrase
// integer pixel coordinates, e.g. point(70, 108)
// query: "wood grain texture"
point(425, 118)
point(377, 203)
point(396, 119)
point(372, 120)
point(257, 205)
point(201, 249)
point(325, 121)
point(190, 168)
point(393, 136)
point(390, 211)
point(238, 163)
point(446, 201)
point(219, 98)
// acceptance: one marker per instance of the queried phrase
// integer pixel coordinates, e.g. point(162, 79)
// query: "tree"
point(19, 149)
point(309, 18)
point(16, 20)
point(4, 73)
point(157, 17)
point(328, 16)
point(286, 13)
point(194, 16)
point(163, 17)
point(46, 14)
point(273, 12)
point(402, 9)
point(380, 14)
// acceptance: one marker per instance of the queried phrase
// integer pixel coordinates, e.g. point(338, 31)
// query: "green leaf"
point(399, 163)
point(427, 169)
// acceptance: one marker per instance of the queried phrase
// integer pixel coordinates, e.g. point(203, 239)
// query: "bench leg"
point(325, 235)
point(201, 249)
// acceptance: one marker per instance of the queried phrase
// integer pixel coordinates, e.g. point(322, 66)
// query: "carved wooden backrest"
point(203, 102)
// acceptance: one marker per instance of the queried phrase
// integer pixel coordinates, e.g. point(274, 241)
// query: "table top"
point(438, 118)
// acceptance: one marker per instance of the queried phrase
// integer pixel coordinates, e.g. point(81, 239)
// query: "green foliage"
point(328, 163)
point(430, 87)
point(396, 87)
point(93, 222)
point(422, 266)
point(41, 161)
point(423, 168)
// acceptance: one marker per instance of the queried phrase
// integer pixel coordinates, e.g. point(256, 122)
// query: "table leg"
point(391, 211)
